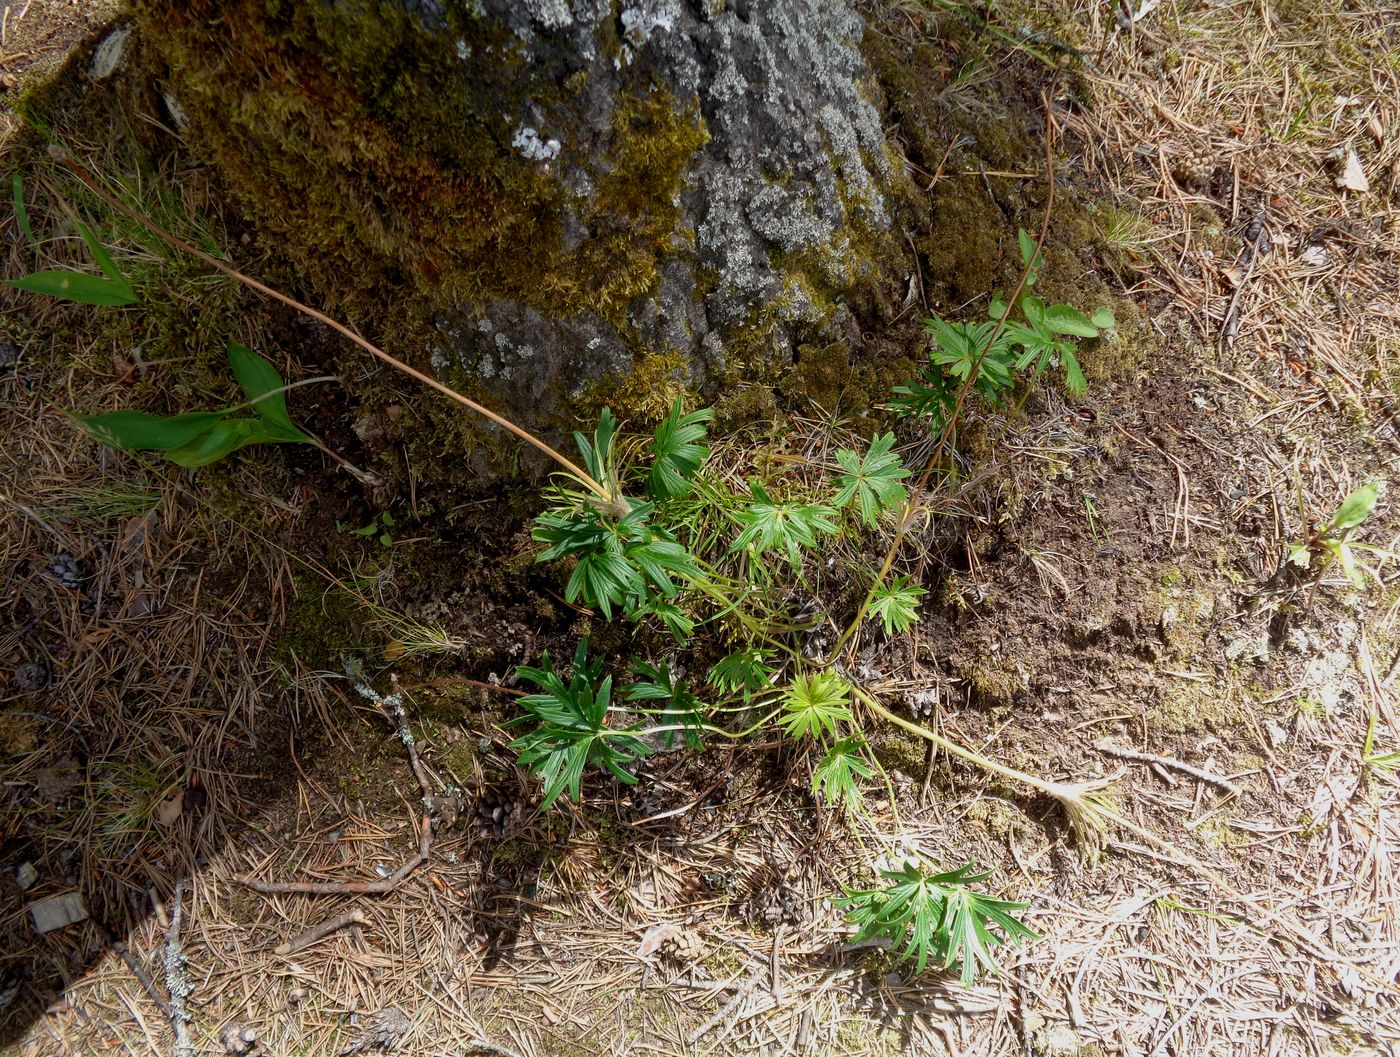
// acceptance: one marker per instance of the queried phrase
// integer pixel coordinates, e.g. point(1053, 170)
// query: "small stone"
point(26, 875)
point(57, 911)
point(9, 355)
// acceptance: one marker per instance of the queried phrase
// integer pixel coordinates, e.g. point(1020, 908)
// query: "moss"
point(645, 395)
point(996, 681)
point(404, 152)
point(1194, 708)
point(325, 624)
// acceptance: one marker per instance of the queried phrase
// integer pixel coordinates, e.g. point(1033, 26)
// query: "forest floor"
point(1109, 598)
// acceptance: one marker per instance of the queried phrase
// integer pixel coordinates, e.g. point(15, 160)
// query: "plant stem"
point(914, 503)
point(253, 284)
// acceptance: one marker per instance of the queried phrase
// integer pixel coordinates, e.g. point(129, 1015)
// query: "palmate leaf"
point(676, 452)
point(571, 730)
point(679, 707)
point(936, 917)
point(814, 705)
point(622, 564)
point(841, 770)
point(770, 525)
point(896, 605)
point(745, 672)
point(871, 480)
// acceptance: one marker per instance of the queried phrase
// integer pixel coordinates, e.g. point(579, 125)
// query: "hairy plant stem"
point(603, 494)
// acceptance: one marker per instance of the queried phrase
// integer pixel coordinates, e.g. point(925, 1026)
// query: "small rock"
point(9, 355)
point(68, 571)
point(26, 875)
point(57, 911)
point(240, 1040)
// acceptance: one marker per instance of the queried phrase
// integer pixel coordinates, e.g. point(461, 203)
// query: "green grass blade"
point(21, 214)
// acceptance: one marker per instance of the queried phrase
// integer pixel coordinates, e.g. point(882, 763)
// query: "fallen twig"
point(177, 981)
point(142, 977)
point(319, 932)
point(393, 707)
point(1168, 761)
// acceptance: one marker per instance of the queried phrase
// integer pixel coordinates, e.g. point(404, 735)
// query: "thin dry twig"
point(319, 932)
point(1169, 761)
point(393, 706)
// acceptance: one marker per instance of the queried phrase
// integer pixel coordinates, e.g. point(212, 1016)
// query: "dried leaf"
point(1353, 176)
point(654, 937)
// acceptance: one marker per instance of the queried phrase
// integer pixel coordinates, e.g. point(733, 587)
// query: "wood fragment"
point(319, 932)
point(1148, 758)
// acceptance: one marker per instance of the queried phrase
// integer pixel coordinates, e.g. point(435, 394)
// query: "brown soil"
point(1110, 574)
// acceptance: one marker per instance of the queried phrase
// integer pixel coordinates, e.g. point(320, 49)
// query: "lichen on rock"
point(547, 190)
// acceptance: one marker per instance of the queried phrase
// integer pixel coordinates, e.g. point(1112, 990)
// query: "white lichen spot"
point(483, 325)
point(551, 14)
point(463, 50)
point(640, 22)
point(439, 359)
point(176, 111)
point(109, 53)
point(532, 145)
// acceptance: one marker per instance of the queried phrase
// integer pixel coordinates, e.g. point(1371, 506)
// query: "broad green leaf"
point(223, 438)
point(104, 259)
point(1074, 374)
point(138, 431)
point(1355, 508)
point(258, 378)
point(1031, 258)
point(76, 286)
point(1103, 318)
point(1299, 555)
point(1062, 319)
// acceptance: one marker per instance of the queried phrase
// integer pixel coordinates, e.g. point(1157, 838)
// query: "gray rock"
point(769, 215)
point(55, 912)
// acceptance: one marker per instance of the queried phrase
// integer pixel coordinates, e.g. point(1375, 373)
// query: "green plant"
point(936, 917)
point(572, 728)
point(111, 292)
point(1331, 540)
point(988, 356)
point(378, 526)
point(896, 605)
point(198, 438)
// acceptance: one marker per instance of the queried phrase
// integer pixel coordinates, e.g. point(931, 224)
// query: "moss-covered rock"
point(533, 197)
